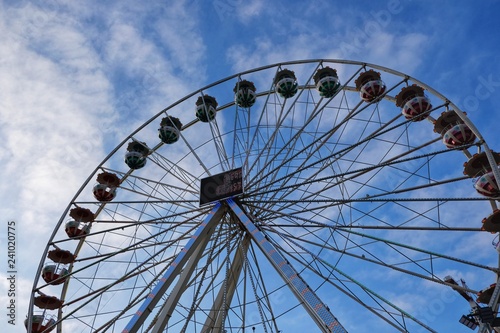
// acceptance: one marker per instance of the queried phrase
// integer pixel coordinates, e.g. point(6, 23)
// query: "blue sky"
point(77, 77)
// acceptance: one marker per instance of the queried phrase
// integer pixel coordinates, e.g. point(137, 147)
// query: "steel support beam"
point(318, 311)
point(214, 322)
point(175, 295)
point(205, 229)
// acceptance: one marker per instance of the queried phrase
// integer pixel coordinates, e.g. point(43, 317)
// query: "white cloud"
point(247, 10)
point(52, 99)
point(58, 99)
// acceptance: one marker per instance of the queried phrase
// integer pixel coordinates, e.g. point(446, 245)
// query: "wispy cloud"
point(72, 76)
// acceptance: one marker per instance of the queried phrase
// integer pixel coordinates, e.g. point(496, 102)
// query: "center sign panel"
point(221, 186)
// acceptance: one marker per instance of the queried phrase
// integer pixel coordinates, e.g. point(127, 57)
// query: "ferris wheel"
point(315, 195)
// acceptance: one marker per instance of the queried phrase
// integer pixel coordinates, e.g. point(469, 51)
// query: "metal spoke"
point(348, 205)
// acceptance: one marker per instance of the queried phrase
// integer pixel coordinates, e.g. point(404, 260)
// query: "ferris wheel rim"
point(232, 77)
